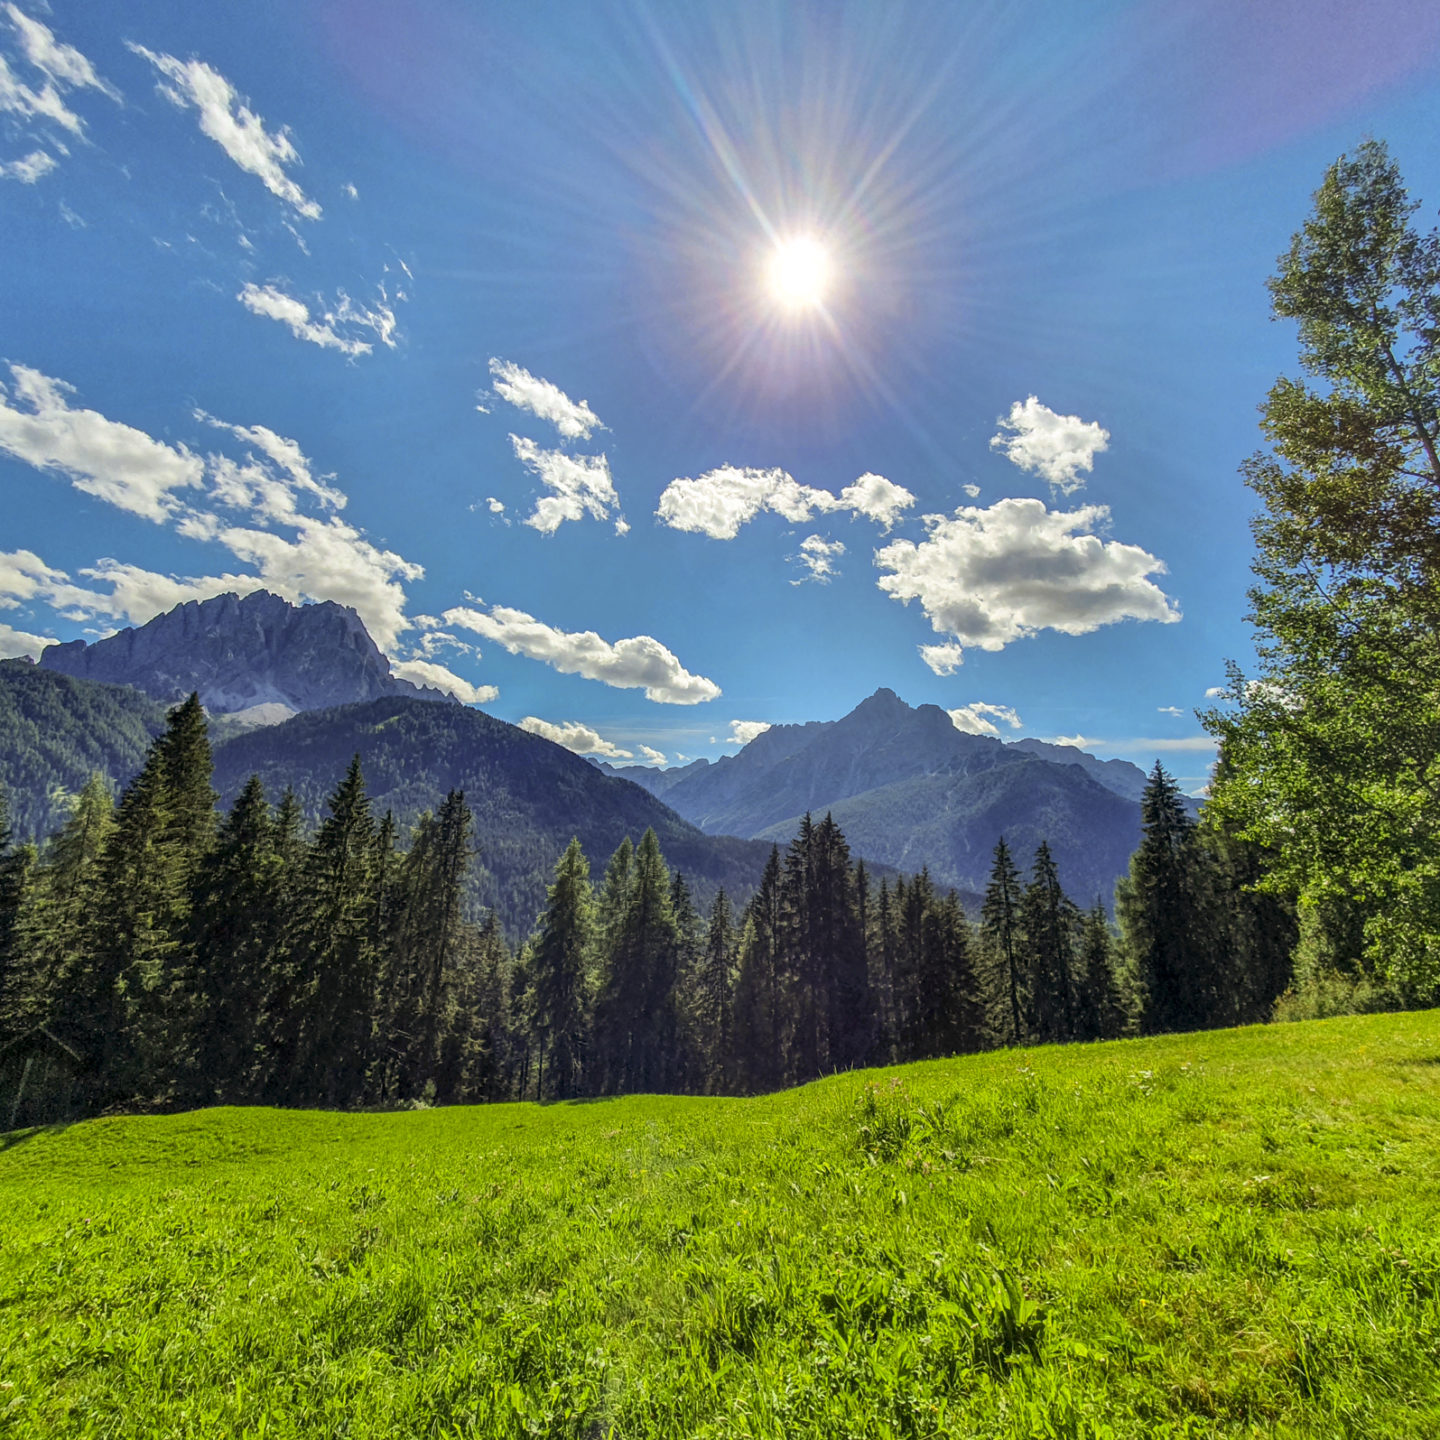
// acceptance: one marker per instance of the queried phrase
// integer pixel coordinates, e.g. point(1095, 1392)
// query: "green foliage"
point(1216, 1235)
point(1329, 756)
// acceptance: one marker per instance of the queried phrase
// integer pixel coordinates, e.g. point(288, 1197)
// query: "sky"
point(650, 373)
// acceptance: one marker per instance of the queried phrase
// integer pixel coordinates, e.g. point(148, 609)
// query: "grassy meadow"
point(1227, 1233)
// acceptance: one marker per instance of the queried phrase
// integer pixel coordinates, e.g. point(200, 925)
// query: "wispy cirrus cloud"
point(332, 327)
point(579, 485)
point(114, 462)
point(639, 662)
point(574, 419)
point(28, 168)
point(1056, 447)
point(227, 119)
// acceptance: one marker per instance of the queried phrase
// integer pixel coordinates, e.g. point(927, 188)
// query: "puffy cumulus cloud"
point(232, 125)
point(978, 718)
point(720, 501)
point(973, 491)
point(496, 507)
point(24, 576)
point(575, 736)
point(105, 458)
point(574, 419)
point(943, 659)
point(334, 327)
point(29, 168)
point(650, 753)
point(989, 577)
point(14, 643)
point(742, 732)
point(818, 557)
point(1056, 447)
point(1217, 692)
point(428, 672)
point(876, 498)
point(580, 485)
point(638, 663)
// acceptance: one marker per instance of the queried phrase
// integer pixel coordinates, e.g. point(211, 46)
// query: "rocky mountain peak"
point(255, 654)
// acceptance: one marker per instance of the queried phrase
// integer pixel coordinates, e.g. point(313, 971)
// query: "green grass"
point(1232, 1233)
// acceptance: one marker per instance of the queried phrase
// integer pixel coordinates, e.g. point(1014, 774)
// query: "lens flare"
point(800, 273)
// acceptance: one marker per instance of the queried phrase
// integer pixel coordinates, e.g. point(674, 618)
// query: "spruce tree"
point(560, 965)
point(759, 1062)
point(1163, 918)
point(1048, 922)
point(714, 999)
point(1004, 941)
point(1099, 1005)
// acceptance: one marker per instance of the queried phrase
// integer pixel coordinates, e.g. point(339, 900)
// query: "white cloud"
point(1169, 710)
point(720, 501)
point(581, 485)
point(350, 190)
point(232, 125)
point(943, 659)
point(978, 718)
point(742, 732)
point(255, 485)
point(876, 498)
point(104, 458)
point(973, 491)
point(575, 736)
point(1057, 447)
point(14, 643)
point(640, 662)
point(335, 327)
point(25, 576)
point(818, 556)
point(427, 672)
point(1200, 743)
point(574, 419)
point(1217, 692)
point(62, 63)
point(29, 168)
point(989, 577)
point(622, 525)
point(497, 507)
point(654, 756)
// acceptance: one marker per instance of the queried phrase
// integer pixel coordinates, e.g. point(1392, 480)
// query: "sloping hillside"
point(1231, 1233)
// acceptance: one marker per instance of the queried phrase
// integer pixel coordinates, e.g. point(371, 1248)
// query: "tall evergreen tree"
point(1048, 921)
point(759, 1061)
point(1003, 941)
point(560, 966)
point(1099, 1005)
point(714, 998)
point(1163, 918)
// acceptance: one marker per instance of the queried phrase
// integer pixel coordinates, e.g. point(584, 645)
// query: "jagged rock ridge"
point(257, 654)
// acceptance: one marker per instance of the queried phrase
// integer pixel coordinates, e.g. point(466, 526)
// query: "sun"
point(800, 273)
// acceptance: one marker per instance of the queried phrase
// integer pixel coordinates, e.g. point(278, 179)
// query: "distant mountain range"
point(909, 789)
point(294, 691)
point(259, 659)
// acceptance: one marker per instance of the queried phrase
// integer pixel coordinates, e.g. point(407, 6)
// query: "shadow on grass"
point(11, 1138)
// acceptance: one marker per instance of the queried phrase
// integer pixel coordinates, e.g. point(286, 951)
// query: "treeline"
point(194, 958)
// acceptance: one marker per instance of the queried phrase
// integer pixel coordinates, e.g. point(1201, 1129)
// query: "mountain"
point(55, 732)
point(529, 795)
point(658, 782)
point(909, 789)
point(259, 658)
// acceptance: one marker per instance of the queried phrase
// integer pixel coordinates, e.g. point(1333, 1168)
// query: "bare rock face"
point(242, 654)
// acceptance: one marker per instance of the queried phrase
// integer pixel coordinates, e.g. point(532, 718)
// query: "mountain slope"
point(950, 824)
point(529, 796)
point(55, 732)
point(241, 655)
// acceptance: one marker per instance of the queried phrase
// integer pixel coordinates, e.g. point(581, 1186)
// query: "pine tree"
point(1048, 922)
point(714, 1001)
point(689, 1063)
point(946, 1017)
point(636, 1017)
point(759, 1062)
point(334, 954)
point(1099, 1007)
point(560, 966)
point(1001, 935)
point(235, 927)
point(1163, 918)
point(880, 944)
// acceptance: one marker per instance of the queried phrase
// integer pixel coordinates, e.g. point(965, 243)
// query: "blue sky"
point(468, 315)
